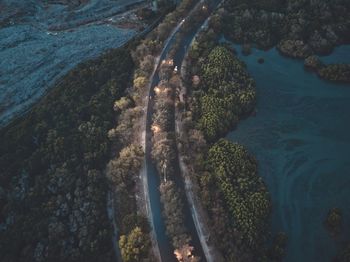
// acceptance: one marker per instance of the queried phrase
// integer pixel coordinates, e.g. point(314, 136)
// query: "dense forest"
point(236, 196)
point(226, 94)
point(231, 188)
point(53, 188)
point(299, 28)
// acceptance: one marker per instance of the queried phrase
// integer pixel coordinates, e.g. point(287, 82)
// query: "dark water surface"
point(301, 138)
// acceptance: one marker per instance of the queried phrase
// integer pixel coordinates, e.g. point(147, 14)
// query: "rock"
point(294, 48)
point(313, 63)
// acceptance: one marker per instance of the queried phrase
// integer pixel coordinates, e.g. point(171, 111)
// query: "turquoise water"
point(301, 138)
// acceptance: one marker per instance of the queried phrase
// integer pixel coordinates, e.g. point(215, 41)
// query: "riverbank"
point(298, 28)
point(207, 115)
point(300, 136)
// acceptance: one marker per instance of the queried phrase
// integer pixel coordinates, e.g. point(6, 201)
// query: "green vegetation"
point(334, 221)
point(164, 148)
point(234, 171)
point(299, 28)
point(333, 72)
point(277, 251)
point(145, 53)
point(174, 214)
point(164, 145)
point(344, 256)
point(122, 104)
point(135, 246)
point(165, 156)
point(51, 165)
point(122, 172)
point(152, 45)
point(270, 5)
point(220, 93)
point(336, 72)
point(227, 95)
point(191, 24)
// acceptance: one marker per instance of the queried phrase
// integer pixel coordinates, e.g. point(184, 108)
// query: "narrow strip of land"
point(146, 141)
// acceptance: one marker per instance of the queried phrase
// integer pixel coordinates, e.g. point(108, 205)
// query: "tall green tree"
point(134, 246)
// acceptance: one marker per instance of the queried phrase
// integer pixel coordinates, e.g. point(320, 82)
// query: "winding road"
point(149, 178)
point(146, 143)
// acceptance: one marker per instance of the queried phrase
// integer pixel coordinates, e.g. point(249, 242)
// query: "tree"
point(140, 82)
point(334, 221)
point(134, 247)
point(228, 93)
point(219, 67)
point(147, 64)
point(164, 151)
point(235, 173)
point(59, 151)
point(128, 163)
point(128, 120)
point(184, 254)
point(122, 104)
point(174, 214)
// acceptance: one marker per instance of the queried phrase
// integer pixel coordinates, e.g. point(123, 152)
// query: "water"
point(301, 138)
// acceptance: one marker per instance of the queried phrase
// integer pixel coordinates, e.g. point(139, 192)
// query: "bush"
point(235, 173)
point(174, 214)
point(229, 93)
point(134, 247)
point(334, 221)
point(336, 72)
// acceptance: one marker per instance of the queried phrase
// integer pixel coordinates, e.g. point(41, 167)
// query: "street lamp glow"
point(157, 90)
point(155, 128)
